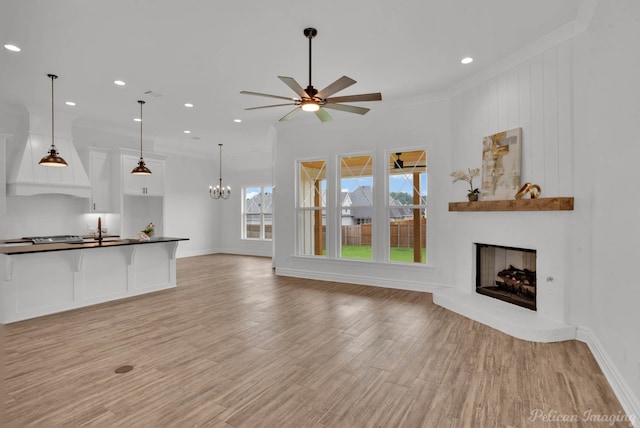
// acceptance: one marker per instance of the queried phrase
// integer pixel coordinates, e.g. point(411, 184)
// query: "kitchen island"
point(44, 279)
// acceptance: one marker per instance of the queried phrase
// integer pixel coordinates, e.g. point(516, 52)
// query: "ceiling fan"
point(310, 99)
point(399, 163)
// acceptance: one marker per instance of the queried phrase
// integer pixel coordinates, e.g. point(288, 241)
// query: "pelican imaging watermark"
point(586, 416)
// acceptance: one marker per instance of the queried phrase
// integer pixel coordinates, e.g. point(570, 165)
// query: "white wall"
point(188, 210)
point(253, 168)
point(607, 153)
point(423, 124)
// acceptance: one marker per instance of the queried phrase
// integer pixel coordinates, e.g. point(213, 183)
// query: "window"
point(407, 206)
point(312, 212)
point(257, 216)
point(356, 206)
point(362, 219)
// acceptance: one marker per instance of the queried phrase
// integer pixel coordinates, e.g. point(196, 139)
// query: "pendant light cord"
point(141, 103)
point(220, 181)
point(52, 76)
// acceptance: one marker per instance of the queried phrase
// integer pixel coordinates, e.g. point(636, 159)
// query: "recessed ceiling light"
point(188, 105)
point(119, 82)
point(70, 103)
point(137, 119)
point(237, 120)
point(12, 48)
point(187, 131)
point(466, 60)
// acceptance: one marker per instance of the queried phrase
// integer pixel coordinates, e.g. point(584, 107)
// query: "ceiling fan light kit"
point(310, 106)
point(312, 100)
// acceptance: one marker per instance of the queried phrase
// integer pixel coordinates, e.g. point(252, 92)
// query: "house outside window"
point(257, 218)
point(356, 189)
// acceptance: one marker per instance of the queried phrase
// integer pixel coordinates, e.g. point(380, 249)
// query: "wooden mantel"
point(539, 204)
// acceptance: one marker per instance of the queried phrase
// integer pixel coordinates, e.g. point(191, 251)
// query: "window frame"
point(372, 207)
point(388, 207)
point(310, 242)
point(261, 215)
point(331, 209)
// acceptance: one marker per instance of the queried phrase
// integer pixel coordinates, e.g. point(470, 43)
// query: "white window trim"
point(261, 214)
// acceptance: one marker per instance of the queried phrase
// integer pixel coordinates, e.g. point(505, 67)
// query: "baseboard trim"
point(629, 402)
point(182, 254)
point(246, 252)
point(359, 279)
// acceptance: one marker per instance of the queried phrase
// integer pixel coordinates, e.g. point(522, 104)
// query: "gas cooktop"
point(55, 239)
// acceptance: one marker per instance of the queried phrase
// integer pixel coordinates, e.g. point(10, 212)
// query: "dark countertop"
point(28, 241)
point(27, 247)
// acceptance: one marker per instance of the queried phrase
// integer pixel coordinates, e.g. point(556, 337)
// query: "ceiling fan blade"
point(350, 109)
point(291, 113)
point(375, 96)
point(323, 115)
point(273, 105)
point(268, 95)
point(338, 85)
point(291, 82)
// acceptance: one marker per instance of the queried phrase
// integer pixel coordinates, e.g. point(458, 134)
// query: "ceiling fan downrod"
point(310, 33)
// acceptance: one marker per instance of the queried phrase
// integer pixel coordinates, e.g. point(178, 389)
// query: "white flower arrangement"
point(468, 177)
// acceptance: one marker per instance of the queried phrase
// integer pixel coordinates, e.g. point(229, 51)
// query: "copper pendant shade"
point(141, 169)
point(52, 159)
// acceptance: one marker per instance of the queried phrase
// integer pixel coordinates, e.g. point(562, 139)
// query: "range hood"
point(25, 149)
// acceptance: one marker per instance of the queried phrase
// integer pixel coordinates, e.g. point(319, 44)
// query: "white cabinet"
point(140, 198)
point(145, 185)
point(100, 177)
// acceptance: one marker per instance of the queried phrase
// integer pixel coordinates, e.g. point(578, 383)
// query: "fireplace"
point(507, 273)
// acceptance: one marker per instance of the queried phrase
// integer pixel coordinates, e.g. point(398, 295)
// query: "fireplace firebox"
point(507, 273)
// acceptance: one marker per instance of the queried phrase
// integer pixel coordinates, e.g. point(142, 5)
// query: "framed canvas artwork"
point(501, 154)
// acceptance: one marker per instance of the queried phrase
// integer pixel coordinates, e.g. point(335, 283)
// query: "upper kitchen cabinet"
point(98, 162)
point(143, 185)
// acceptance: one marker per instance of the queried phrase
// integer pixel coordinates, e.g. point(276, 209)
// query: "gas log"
point(519, 281)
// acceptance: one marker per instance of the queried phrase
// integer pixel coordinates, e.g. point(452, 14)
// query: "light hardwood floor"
point(236, 346)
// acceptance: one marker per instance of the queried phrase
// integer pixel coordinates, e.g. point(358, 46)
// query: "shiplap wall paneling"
point(536, 133)
point(565, 120)
point(536, 96)
point(550, 132)
point(524, 116)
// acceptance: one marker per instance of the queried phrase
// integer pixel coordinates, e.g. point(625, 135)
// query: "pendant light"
point(219, 191)
point(141, 169)
point(52, 159)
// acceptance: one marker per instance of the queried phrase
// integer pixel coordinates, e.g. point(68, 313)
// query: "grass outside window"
point(364, 252)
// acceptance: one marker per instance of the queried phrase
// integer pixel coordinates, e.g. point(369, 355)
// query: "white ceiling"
point(206, 51)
